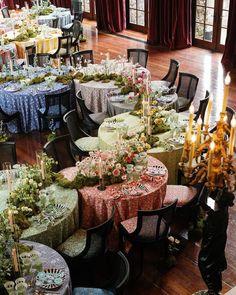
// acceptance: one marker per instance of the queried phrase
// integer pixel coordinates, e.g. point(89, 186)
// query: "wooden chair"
point(5, 12)
point(202, 107)
point(81, 142)
point(138, 55)
point(59, 150)
point(7, 153)
point(171, 76)
point(148, 228)
point(56, 105)
point(82, 57)
point(64, 48)
point(6, 118)
point(186, 90)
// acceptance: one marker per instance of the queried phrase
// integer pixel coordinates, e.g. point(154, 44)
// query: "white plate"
point(50, 278)
point(12, 88)
point(43, 88)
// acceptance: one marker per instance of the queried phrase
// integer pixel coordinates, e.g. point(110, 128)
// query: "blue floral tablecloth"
point(27, 101)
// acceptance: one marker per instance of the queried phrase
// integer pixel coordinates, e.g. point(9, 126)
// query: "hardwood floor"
point(184, 278)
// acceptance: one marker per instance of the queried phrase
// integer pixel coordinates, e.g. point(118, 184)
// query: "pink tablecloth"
point(97, 205)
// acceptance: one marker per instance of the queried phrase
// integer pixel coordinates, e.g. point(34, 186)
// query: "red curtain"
point(62, 3)
point(229, 57)
point(111, 15)
point(170, 23)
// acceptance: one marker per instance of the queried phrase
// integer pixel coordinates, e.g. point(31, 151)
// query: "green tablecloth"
point(170, 159)
point(61, 228)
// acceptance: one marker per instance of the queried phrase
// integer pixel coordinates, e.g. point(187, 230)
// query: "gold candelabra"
point(208, 156)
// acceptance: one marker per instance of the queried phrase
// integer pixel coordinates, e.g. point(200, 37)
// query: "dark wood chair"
point(202, 107)
point(171, 76)
point(6, 118)
point(186, 90)
point(7, 153)
point(5, 12)
point(64, 48)
point(30, 51)
point(148, 228)
point(83, 57)
point(59, 150)
point(55, 22)
point(138, 55)
point(81, 142)
point(56, 105)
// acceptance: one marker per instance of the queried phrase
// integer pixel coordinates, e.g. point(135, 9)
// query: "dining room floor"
point(184, 278)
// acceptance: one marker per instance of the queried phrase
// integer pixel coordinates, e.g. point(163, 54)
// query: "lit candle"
point(149, 125)
point(42, 166)
point(211, 152)
point(26, 60)
point(192, 150)
point(145, 105)
point(208, 112)
point(14, 259)
point(10, 218)
point(133, 75)
point(108, 56)
point(11, 65)
point(190, 121)
point(59, 63)
point(199, 129)
point(226, 92)
point(232, 136)
point(100, 168)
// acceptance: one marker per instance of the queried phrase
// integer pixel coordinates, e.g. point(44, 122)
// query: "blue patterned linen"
point(27, 101)
point(91, 291)
point(64, 18)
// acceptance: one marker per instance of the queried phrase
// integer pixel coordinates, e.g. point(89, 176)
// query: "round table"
point(96, 206)
point(63, 15)
point(27, 101)
point(170, 159)
point(56, 233)
point(52, 259)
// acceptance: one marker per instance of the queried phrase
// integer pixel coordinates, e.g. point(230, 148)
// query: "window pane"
point(223, 36)
point(201, 2)
point(210, 3)
point(224, 21)
point(132, 3)
point(141, 18)
point(200, 14)
point(141, 4)
point(208, 34)
point(199, 31)
point(226, 4)
point(87, 6)
point(132, 16)
point(209, 16)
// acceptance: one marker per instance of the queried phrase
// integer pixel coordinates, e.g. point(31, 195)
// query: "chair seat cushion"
point(148, 231)
point(62, 51)
point(98, 117)
point(74, 245)
point(183, 193)
point(182, 102)
point(54, 110)
point(91, 291)
point(88, 144)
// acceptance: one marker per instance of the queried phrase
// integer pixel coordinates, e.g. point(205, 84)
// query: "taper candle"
point(42, 167)
point(208, 111)
point(211, 153)
point(100, 168)
point(190, 122)
point(10, 218)
point(14, 259)
point(232, 136)
point(226, 91)
point(192, 150)
point(199, 129)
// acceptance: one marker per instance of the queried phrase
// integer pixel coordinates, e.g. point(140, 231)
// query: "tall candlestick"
point(42, 166)
point(145, 105)
point(192, 150)
point(15, 260)
point(232, 136)
point(211, 153)
point(26, 60)
point(133, 75)
point(10, 218)
point(199, 129)
point(208, 112)
point(226, 91)
point(190, 121)
point(149, 125)
point(11, 65)
point(59, 63)
point(100, 168)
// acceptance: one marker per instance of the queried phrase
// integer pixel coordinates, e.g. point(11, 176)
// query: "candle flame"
point(199, 121)
point(227, 79)
point(212, 146)
point(193, 138)
point(191, 109)
point(233, 122)
point(225, 118)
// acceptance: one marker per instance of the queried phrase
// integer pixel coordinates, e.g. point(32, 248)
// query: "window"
point(137, 15)
point(89, 9)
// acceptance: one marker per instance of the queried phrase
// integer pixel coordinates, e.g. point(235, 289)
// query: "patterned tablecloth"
point(96, 206)
point(170, 159)
point(27, 101)
point(57, 232)
point(63, 15)
point(52, 259)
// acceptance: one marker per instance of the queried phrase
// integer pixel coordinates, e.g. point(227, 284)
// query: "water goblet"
point(9, 286)
point(21, 288)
